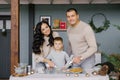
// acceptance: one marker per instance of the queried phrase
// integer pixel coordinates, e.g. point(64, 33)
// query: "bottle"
point(69, 63)
point(29, 69)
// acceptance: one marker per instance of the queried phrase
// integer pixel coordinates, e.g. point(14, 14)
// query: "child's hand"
point(50, 68)
point(63, 68)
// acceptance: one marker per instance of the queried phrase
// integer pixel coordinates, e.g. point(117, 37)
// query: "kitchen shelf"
point(59, 29)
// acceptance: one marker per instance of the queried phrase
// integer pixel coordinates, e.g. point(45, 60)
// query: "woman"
point(43, 42)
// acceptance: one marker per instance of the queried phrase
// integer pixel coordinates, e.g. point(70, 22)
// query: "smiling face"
point(45, 29)
point(72, 17)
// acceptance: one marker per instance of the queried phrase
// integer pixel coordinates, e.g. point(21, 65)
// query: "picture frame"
point(46, 18)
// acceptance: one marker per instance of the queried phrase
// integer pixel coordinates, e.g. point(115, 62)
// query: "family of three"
point(48, 45)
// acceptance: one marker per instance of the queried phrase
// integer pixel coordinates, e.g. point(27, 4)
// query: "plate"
point(76, 70)
point(19, 75)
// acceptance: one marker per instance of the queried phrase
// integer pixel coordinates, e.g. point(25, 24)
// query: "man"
point(82, 40)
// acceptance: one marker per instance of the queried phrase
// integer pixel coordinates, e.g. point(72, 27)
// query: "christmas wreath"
point(106, 23)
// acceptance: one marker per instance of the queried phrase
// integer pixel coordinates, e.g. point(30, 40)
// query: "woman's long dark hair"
point(38, 38)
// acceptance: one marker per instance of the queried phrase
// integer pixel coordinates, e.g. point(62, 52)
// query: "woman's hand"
point(50, 63)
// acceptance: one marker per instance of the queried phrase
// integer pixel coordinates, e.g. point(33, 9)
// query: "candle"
point(67, 74)
point(76, 74)
point(87, 74)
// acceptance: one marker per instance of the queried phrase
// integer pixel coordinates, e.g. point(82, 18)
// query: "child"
point(57, 55)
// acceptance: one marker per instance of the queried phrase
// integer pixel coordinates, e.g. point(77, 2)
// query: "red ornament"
point(62, 25)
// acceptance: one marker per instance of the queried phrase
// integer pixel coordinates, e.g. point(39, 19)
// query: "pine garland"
point(106, 23)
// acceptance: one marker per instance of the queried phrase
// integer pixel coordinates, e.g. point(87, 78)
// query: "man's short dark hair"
point(72, 9)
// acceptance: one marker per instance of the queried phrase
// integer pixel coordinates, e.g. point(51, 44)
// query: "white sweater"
point(82, 40)
point(45, 49)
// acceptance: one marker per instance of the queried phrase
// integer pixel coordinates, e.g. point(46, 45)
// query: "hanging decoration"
point(106, 23)
point(4, 33)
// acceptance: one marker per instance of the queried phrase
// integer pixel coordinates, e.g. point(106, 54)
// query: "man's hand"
point(77, 59)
